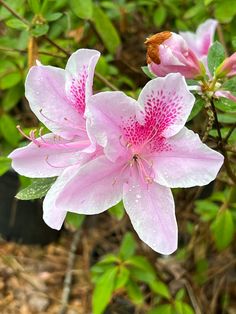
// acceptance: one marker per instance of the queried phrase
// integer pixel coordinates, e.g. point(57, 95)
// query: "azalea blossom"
point(168, 52)
point(58, 98)
point(147, 151)
point(201, 41)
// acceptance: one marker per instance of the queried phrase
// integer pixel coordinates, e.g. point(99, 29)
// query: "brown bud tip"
point(153, 42)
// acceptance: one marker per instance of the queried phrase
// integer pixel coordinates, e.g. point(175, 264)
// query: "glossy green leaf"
point(82, 8)
point(102, 293)
point(37, 189)
point(225, 104)
point(230, 85)
point(105, 29)
point(215, 56)
point(223, 229)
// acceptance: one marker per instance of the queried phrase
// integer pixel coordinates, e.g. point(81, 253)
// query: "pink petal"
point(105, 113)
point(169, 101)
point(187, 162)
point(94, 188)
point(201, 41)
point(79, 77)
point(45, 91)
point(152, 213)
point(48, 157)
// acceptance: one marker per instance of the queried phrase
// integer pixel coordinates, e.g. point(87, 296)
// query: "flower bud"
point(227, 67)
point(168, 52)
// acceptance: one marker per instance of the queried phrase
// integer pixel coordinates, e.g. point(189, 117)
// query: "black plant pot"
point(21, 221)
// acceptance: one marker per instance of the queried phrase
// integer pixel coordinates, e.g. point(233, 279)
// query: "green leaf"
point(199, 104)
point(76, 220)
point(122, 278)
point(141, 263)
point(53, 16)
point(207, 2)
point(106, 30)
point(206, 209)
point(9, 130)
point(225, 104)
point(193, 11)
point(16, 24)
point(102, 293)
point(5, 165)
point(117, 211)
point(180, 294)
point(183, 308)
point(39, 30)
point(10, 79)
point(82, 8)
point(34, 5)
point(160, 288)
point(162, 309)
point(223, 229)
point(215, 56)
point(128, 246)
point(37, 189)
point(12, 97)
point(148, 72)
point(230, 85)
point(159, 16)
point(226, 118)
point(134, 292)
point(109, 258)
point(225, 10)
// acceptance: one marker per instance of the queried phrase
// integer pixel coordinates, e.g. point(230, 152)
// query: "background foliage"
point(200, 275)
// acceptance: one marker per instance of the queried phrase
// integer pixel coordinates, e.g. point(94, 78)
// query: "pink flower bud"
point(228, 67)
point(168, 52)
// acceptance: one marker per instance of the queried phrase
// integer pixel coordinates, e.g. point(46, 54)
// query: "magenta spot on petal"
point(77, 91)
point(161, 111)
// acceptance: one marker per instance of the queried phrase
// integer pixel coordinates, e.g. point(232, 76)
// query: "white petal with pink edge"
point(187, 163)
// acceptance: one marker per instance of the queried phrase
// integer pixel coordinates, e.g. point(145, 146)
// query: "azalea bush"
point(124, 126)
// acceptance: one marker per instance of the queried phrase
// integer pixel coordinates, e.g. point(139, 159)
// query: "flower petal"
point(201, 41)
point(94, 188)
point(45, 91)
point(152, 213)
point(79, 77)
point(169, 100)
point(105, 114)
point(47, 157)
point(187, 162)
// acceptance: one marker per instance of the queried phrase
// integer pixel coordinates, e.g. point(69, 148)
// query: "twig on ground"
point(68, 277)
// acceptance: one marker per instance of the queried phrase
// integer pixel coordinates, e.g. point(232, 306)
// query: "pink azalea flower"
point(201, 41)
point(169, 53)
point(147, 151)
point(58, 98)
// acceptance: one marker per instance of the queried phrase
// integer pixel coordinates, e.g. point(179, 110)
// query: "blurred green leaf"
point(34, 5)
point(225, 10)
point(39, 30)
point(180, 294)
point(109, 258)
point(163, 309)
point(106, 30)
point(160, 288)
point(198, 105)
point(5, 165)
point(194, 10)
point(50, 17)
point(183, 308)
point(37, 189)
point(12, 97)
point(122, 278)
point(141, 263)
point(148, 72)
point(206, 209)
point(82, 8)
point(134, 292)
point(16, 24)
point(9, 130)
point(76, 220)
point(128, 246)
point(223, 229)
point(230, 85)
point(215, 56)
point(10, 79)
point(117, 211)
point(159, 16)
point(102, 293)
